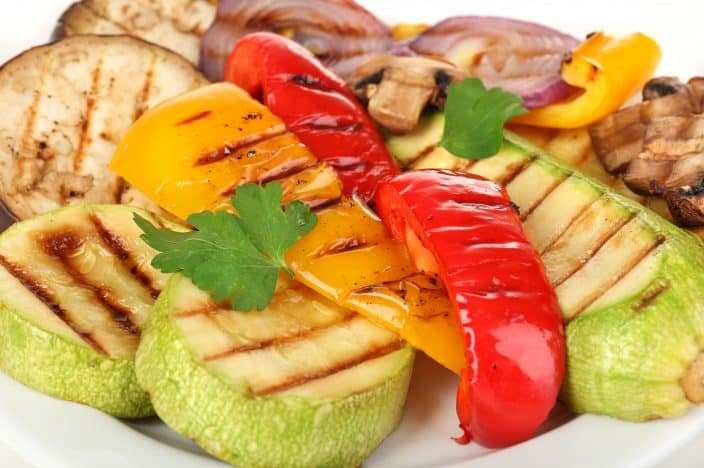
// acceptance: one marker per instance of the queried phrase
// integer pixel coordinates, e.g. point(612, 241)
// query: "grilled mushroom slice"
point(397, 89)
point(618, 139)
point(174, 24)
point(65, 108)
point(672, 156)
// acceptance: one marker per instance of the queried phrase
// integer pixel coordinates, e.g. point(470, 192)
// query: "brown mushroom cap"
point(397, 89)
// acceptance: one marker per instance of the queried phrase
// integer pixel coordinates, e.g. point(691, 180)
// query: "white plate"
point(52, 433)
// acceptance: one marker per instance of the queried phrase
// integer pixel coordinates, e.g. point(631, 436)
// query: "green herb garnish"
point(234, 257)
point(475, 118)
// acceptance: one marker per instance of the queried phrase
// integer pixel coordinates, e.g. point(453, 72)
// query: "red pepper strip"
point(507, 310)
point(316, 105)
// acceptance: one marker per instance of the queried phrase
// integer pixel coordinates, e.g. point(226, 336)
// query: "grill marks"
point(62, 246)
point(278, 341)
point(114, 243)
point(308, 377)
point(140, 105)
point(83, 136)
point(66, 246)
point(43, 293)
point(229, 149)
point(283, 349)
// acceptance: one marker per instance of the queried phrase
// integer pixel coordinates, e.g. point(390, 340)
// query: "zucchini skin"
point(261, 431)
point(62, 369)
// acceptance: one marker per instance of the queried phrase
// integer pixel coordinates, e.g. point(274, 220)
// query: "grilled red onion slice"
point(339, 32)
point(518, 56)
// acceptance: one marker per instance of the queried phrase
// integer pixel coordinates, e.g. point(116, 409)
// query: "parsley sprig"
point(234, 257)
point(475, 118)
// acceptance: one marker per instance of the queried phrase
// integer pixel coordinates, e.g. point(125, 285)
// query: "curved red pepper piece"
point(316, 105)
point(507, 310)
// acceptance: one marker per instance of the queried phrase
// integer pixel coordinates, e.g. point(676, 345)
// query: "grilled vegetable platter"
point(279, 233)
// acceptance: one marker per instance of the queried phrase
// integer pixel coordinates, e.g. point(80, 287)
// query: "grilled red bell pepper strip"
point(315, 105)
point(466, 229)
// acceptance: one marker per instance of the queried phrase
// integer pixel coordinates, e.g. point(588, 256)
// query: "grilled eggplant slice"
point(628, 281)
point(301, 383)
point(174, 24)
point(65, 108)
point(76, 287)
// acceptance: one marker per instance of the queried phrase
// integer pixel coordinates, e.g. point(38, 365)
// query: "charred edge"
point(114, 243)
point(60, 246)
point(542, 198)
point(297, 381)
point(83, 138)
point(374, 78)
point(442, 81)
point(516, 170)
point(278, 341)
point(616, 228)
point(193, 118)
point(227, 150)
point(285, 172)
point(341, 245)
point(140, 104)
point(120, 187)
point(579, 215)
point(41, 292)
point(651, 297)
point(618, 277)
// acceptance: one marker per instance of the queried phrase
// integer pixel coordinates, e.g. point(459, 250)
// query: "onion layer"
point(517, 56)
point(342, 34)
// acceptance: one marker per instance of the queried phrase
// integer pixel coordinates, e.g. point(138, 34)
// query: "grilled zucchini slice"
point(627, 280)
point(302, 383)
point(76, 287)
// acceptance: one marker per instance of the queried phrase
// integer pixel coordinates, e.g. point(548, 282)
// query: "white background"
point(677, 25)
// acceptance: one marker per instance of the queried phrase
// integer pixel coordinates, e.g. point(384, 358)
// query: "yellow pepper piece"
point(350, 258)
point(191, 152)
point(608, 70)
point(405, 31)
point(175, 155)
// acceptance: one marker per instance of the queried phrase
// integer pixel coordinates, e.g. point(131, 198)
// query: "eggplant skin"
point(261, 431)
point(67, 105)
point(174, 24)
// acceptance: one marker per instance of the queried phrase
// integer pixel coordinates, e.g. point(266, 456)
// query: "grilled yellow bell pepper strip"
point(608, 70)
point(191, 152)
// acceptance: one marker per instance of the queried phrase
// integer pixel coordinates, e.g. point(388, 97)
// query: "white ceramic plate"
point(52, 433)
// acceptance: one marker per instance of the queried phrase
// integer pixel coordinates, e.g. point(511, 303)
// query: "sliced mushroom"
point(663, 86)
point(397, 89)
point(618, 139)
point(672, 156)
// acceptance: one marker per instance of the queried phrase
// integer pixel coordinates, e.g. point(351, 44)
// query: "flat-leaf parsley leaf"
point(475, 118)
point(234, 257)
